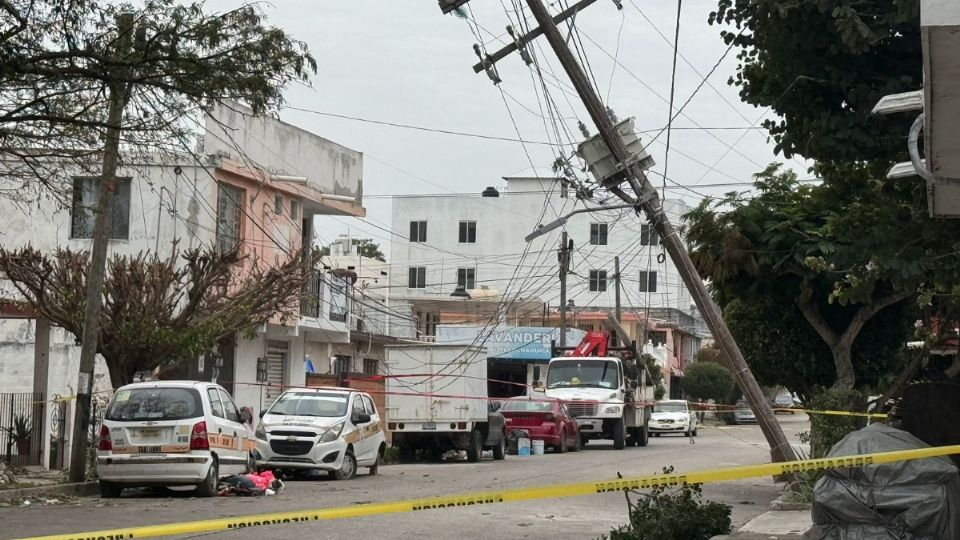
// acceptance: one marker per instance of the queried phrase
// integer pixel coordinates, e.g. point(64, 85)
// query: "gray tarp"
point(908, 500)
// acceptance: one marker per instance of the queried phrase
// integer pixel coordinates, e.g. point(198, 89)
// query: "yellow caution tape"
point(506, 495)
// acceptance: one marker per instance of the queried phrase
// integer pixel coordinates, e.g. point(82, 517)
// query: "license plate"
point(148, 433)
point(430, 426)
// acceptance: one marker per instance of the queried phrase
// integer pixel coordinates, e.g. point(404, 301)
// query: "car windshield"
point(666, 406)
point(138, 404)
point(527, 405)
point(310, 404)
point(596, 373)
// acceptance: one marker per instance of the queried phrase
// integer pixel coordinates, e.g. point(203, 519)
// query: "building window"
point(370, 366)
point(229, 217)
point(86, 198)
point(598, 234)
point(648, 281)
point(648, 235)
point(278, 204)
point(418, 277)
point(598, 280)
point(294, 209)
point(466, 278)
point(341, 365)
point(427, 325)
point(468, 232)
point(418, 231)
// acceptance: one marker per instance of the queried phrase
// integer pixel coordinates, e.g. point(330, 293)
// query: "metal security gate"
point(277, 352)
point(20, 437)
point(58, 434)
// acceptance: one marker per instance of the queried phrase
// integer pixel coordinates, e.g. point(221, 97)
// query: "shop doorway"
point(506, 378)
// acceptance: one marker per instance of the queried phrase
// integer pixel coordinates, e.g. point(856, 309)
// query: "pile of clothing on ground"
point(250, 485)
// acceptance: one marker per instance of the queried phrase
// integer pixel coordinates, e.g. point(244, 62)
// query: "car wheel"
point(619, 434)
point(584, 440)
point(562, 447)
point(576, 444)
point(376, 466)
point(349, 467)
point(109, 490)
point(500, 450)
point(251, 464)
point(476, 446)
point(208, 488)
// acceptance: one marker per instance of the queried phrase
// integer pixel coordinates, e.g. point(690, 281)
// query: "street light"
point(559, 222)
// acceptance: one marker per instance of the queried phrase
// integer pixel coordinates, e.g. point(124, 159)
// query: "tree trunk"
point(843, 364)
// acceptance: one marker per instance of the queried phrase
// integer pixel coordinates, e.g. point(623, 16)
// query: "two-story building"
point(256, 186)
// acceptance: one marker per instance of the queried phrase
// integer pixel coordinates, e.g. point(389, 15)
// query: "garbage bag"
point(906, 500)
point(512, 439)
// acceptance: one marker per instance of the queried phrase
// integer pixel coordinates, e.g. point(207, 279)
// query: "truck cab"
point(599, 393)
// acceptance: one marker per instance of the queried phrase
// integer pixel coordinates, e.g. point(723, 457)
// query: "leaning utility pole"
point(648, 200)
point(118, 96)
point(563, 258)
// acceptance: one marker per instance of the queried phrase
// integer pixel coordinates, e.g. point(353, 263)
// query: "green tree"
point(164, 62)
point(822, 66)
point(839, 253)
point(707, 380)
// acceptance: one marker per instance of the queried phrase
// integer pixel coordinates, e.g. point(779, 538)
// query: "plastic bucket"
point(523, 447)
point(537, 447)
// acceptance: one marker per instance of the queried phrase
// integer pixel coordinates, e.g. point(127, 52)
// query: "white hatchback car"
point(169, 433)
point(327, 429)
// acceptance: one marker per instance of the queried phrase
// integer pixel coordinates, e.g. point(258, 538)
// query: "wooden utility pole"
point(563, 258)
point(649, 201)
point(118, 97)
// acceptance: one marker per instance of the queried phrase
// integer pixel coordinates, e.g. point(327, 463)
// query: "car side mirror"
point(263, 412)
point(246, 416)
point(362, 418)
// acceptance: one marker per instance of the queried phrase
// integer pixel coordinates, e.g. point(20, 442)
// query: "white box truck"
point(437, 401)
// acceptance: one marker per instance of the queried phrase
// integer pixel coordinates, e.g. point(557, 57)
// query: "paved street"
point(575, 517)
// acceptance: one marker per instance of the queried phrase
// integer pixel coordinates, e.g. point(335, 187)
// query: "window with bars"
point(294, 209)
point(466, 278)
point(86, 199)
point(371, 366)
point(468, 232)
point(648, 281)
point(229, 217)
point(648, 235)
point(417, 277)
point(418, 231)
point(598, 234)
point(598, 280)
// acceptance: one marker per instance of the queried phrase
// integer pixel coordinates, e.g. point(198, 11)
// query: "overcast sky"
point(402, 61)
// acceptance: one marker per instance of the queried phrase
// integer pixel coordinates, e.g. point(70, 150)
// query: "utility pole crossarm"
point(536, 32)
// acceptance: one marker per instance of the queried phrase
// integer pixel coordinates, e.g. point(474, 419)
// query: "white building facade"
point(477, 241)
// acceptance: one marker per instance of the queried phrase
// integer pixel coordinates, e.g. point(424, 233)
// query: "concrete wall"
point(502, 223)
point(284, 149)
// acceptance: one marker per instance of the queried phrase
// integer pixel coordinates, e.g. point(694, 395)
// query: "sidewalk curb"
point(78, 489)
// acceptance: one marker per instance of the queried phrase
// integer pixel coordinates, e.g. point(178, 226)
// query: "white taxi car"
point(168, 433)
point(673, 416)
point(327, 429)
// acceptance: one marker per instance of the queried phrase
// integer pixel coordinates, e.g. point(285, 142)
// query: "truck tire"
point(619, 434)
point(643, 437)
point(476, 446)
point(500, 449)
